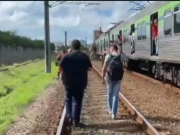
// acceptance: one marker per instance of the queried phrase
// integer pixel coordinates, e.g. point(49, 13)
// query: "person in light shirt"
point(69, 50)
point(113, 87)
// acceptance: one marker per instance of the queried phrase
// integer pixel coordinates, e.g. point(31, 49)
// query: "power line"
point(76, 13)
point(118, 13)
point(80, 21)
point(81, 18)
point(85, 3)
point(56, 3)
point(139, 6)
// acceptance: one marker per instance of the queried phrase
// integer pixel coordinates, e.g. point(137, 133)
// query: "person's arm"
point(105, 65)
point(62, 62)
point(58, 57)
point(90, 48)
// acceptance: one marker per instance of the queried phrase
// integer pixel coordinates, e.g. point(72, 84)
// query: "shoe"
point(110, 112)
point(78, 124)
point(113, 116)
point(69, 120)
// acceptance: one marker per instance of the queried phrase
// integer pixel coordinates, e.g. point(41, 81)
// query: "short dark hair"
point(115, 47)
point(64, 51)
point(76, 44)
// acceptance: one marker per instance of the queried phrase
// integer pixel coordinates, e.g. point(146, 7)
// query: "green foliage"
point(19, 88)
point(10, 38)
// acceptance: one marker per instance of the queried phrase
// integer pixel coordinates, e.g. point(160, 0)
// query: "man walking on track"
point(113, 73)
point(75, 66)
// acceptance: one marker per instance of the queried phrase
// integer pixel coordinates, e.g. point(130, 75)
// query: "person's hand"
point(102, 81)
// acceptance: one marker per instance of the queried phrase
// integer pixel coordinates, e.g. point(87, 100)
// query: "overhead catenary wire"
point(118, 14)
point(81, 17)
point(76, 14)
point(56, 3)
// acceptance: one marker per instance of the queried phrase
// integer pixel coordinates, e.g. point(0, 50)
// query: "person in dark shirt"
point(75, 66)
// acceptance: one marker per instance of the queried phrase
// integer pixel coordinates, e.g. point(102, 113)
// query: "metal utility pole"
point(0, 55)
point(47, 51)
point(86, 42)
point(65, 34)
point(109, 38)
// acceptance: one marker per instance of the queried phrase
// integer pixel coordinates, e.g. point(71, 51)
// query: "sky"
point(27, 18)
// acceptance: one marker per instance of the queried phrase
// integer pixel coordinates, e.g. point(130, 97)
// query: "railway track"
point(18, 65)
point(97, 120)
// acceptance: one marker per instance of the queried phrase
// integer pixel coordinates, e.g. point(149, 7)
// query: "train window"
point(167, 23)
point(143, 30)
point(127, 36)
point(104, 44)
point(139, 31)
point(124, 36)
point(116, 37)
point(112, 37)
point(101, 46)
point(177, 19)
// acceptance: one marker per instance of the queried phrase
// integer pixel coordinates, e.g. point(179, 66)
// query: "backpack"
point(57, 63)
point(115, 71)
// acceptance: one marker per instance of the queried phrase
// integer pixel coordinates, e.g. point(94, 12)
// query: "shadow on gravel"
point(113, 127)
point(162, 119)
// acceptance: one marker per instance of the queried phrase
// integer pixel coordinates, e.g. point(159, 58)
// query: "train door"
point(120, 41)
point(101, 46)
point(104, 47)
point(120, 36)
point(112, 37)
point(153, 34)
point(131, 34)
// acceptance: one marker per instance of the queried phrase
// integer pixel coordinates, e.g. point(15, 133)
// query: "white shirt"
point(108, 58)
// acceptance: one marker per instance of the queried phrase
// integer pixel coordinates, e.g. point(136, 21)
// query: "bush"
point(10, 38)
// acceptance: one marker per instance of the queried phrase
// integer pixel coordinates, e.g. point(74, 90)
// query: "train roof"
point(146, 11)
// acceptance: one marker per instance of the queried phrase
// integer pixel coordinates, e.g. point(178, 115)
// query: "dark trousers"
point(74, 97)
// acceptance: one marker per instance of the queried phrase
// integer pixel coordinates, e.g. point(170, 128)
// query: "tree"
point(10, 38)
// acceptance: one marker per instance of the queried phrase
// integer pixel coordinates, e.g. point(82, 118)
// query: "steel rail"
point(61, 122)
point(140, 119)
point(18, 65)
point(138, 116)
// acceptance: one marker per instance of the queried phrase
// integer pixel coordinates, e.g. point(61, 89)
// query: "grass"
point(13, 65)
point(19, 87)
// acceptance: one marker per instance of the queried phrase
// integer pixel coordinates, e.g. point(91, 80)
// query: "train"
point(165, 65)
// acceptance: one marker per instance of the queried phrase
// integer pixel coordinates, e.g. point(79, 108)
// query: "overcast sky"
point(27, 18)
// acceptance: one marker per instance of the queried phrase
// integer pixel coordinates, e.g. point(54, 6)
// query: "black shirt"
point(75, 67)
